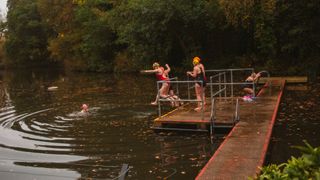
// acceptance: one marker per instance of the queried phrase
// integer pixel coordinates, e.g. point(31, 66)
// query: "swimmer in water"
point(84, 108)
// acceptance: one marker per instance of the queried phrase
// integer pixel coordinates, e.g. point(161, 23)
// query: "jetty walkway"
point(243, 151)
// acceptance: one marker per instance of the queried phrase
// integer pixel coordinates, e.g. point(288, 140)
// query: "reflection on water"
point(43, 135)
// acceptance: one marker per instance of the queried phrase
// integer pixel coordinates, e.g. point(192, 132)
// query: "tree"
point(80, 37)
point(154, 29)
point(26, 41)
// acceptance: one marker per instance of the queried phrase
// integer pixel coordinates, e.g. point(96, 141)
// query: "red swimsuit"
point(160, 77)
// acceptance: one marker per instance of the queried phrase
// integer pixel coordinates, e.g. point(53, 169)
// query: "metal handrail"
point(235, 69)
point(219, 80)
point(213, 110)
point(231, 74)
point(160, 99)
point(212, 117)
point(222, 83)
point(236, 114)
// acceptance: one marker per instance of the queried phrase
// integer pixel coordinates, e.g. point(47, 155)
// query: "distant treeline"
point(127, 35)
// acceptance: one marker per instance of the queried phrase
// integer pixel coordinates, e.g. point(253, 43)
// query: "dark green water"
point(43, 136)
point(297, 120)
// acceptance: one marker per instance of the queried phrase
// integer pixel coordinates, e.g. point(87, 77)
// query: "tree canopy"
point(106, 35)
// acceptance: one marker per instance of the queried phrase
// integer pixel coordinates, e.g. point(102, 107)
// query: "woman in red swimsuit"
point(161, 75)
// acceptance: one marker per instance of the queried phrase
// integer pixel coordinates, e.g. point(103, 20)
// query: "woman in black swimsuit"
point(198, 74)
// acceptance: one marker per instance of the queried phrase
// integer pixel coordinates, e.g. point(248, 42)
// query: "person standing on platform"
point(198, 74)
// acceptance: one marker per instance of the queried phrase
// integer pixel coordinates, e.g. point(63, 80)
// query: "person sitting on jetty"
point(248, 87)
point(161, 75)
point(198, 74)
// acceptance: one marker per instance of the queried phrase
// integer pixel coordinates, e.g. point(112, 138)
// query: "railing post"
point(158, 100)
point(212, 118)
point(231, 76)
point(177, 87)
point(225, 86)
point(203, 99)
point(254, 89)
point(211, 90)
point(236, 115)
point(188, 87)
point(253, 85)
point(219, 86)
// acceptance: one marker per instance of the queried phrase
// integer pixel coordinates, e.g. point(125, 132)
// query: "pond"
point(298, 120)
point(43, 136)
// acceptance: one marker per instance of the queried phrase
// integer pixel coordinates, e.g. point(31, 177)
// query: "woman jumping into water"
point(161, 75)
point(198, 74)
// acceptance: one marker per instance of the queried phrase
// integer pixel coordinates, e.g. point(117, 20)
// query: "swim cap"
point(196, 60)
point(84, 107)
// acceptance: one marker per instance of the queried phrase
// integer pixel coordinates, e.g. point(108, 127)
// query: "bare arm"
point(167, 70)
point(202, 69)
point(193, 73)
point(150, 71)
point(253, 78)
point(258, 75)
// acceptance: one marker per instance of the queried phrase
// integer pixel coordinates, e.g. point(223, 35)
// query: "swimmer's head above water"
point(84, 108)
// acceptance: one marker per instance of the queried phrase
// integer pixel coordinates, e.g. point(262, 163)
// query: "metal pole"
point(231, 76)
point(212, 118)
point(202, 99)
point(219, 86)
point(225, 86)
point(188, 87)
point(158, 101)
point(254, 89)
point(236, 118)
point(253, 86)
point(178, 89)
point(211, 90)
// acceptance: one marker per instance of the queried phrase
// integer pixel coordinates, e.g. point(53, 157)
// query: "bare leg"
point(175, 98)
point(164, 92)
point(204, 95)
point(155, 102)
point(248, 91)
point(198, 95)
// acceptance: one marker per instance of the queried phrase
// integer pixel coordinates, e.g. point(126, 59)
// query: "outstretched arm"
point(149, 71)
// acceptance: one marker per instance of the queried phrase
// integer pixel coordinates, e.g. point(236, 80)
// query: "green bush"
point(305, 167)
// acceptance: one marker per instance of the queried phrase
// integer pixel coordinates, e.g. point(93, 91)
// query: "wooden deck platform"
point(244, 149)
point(186, 115)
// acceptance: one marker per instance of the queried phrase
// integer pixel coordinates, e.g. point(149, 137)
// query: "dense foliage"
point(26, 40)
point(305, 167)
point(103, 35)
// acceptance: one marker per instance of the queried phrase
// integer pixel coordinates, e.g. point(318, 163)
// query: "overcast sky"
point(3, 6)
